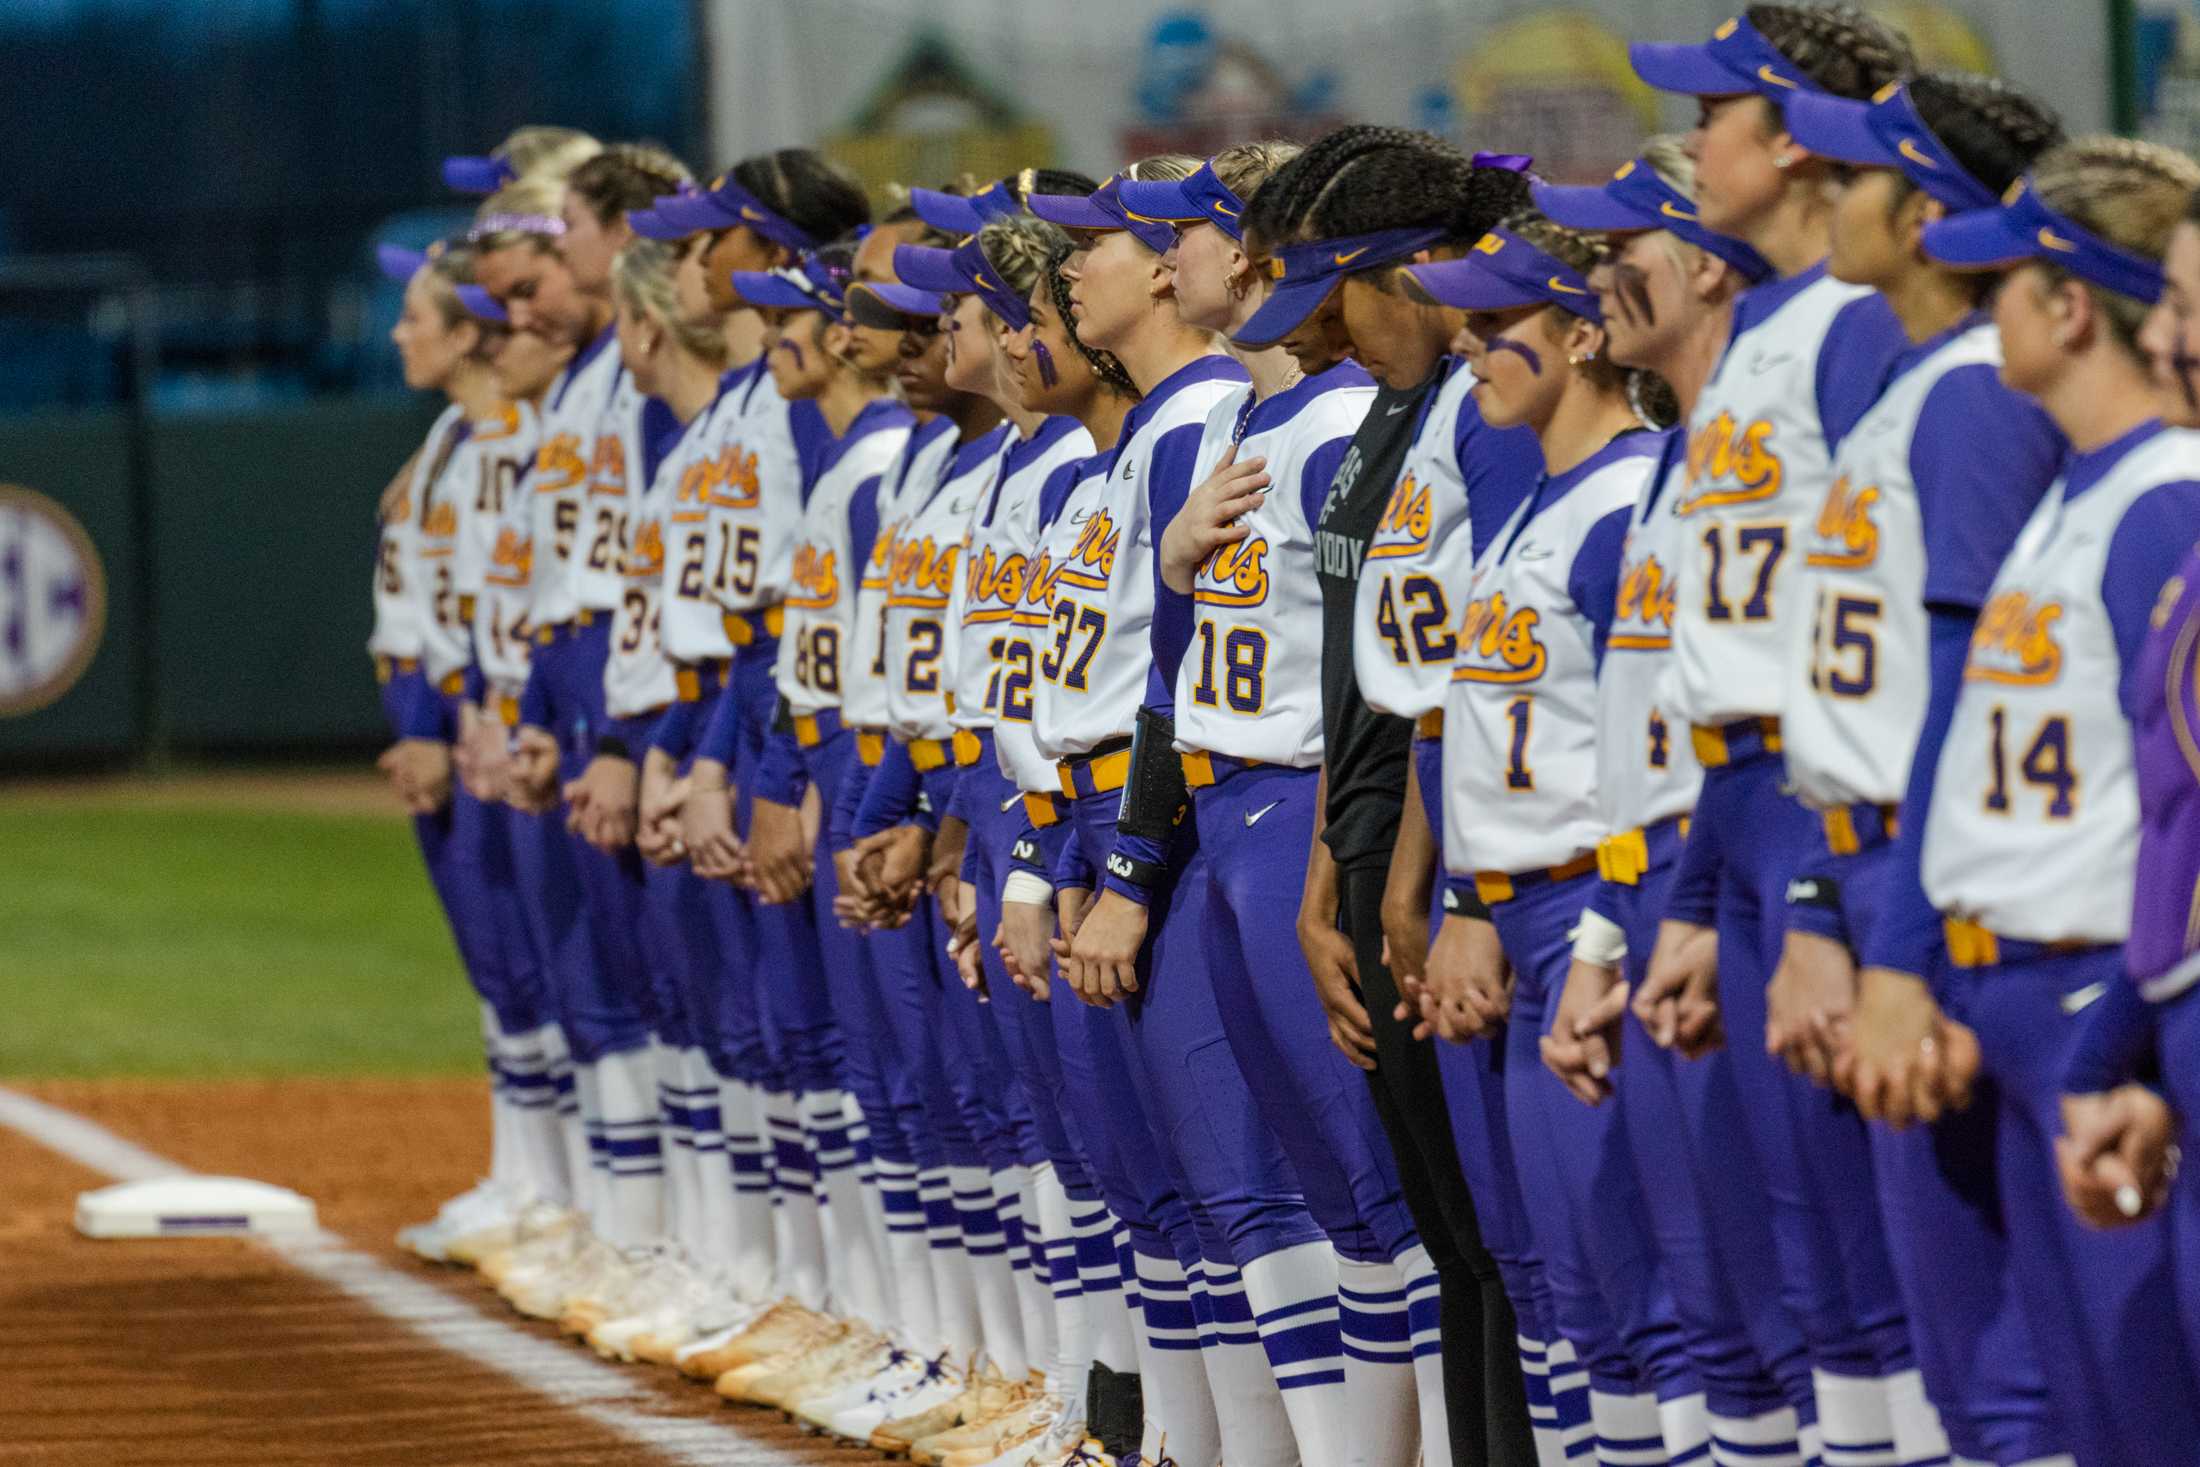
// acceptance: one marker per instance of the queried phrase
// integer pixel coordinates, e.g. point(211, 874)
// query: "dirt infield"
point(216, 1351)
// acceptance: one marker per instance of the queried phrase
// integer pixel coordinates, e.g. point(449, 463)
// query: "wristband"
point(1462, 900)
point(612, 746)
point(1598, 939)
point(1029, 888)
point(1145, 875)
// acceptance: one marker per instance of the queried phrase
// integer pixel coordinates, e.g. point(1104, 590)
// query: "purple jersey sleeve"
point(780, 776)
point(1071, 869)
point(2154, 535)
point(1593, 580)
point(1695, 891)
point(2116, 1043)
point(662, 431)
point(841, 819)
point(1168, 484)
point(889, 796)
point(1976, 490)
point(1498, 465)
point(1859, 352)
point(674, 733)
point(813, 440)
point(2166, 728)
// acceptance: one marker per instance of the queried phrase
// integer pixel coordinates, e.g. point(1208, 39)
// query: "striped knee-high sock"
point(857, 1265)
point(1856, 1414)
point(1627, 1430)
point(1071, 1359)
point(992, 1276)
point(573, 1133)
point(1027, 1258)
point(1767, 1439)
point(1378, 1359)
point(1293, 1296)
point(1113, 1299)
point(748, 1252)
point(676, 1143)
point(909, 1253)
point(1256, 1425)
point(1425, 1337)
point(1535, 1374)
point(953, 1287)
point(798, 1229)
point(533, 1063)
point(1180, 1409)
point(633, 1157)
point(1570, 1401)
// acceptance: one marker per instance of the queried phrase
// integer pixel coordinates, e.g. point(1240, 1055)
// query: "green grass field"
point(222, 939)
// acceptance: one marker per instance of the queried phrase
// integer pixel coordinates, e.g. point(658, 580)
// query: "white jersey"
point(810, 668)
point(907, 484)
point(996, 570)
point(447, 525)
point(638, 677)
point(1758, 465)
point(1414, 576)
point(1856, 703)
point(921, 643)
point(1097, 650)
point(403, 587)
point(503, 632)
point(691, 625)
point(1243, 688)
point(1645, 772)
point(578, 488)
point(1521, 712)
point(756, 498)
point(1015, 739)
point(2035, 816)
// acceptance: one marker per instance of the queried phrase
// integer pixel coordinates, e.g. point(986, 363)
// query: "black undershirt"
point(1365, 751)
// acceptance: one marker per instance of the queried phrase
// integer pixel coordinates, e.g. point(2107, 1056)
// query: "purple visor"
point(1737, 60)
point(481, 305)
point(398, 263)
point(2024, 228)
point(1502, 272)
point(963, 270)
point(727, 205)
point(1103, 209)
point(1886, 132)
point(470, 173)
point(807, 285)
point(1302, 275)
point(1636, 199)
point(888, 305)
point(1201, 198)
point(958, 215)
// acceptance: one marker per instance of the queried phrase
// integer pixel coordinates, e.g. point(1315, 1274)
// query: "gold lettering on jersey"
point(738, 478)
point(1731, 463)
point(816, 579)
point(993, 584)
point(923, 572)
point(559, 465)
point(2014, 642)
point(1235, 575)
point(1095, 548)
point(441, 521)
point(503, 423)
point(512, 562)
point(1503, 638)
point(645, 552)
point(1646, 600)
point(607, 475)
point(1406, 522)
point(1039, 587)
point(1847, 538)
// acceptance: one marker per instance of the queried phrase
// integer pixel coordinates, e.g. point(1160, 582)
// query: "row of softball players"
point(1673, 1316)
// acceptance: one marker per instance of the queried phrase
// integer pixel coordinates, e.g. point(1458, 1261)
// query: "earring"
point(1783, 161)
point(1581, 359)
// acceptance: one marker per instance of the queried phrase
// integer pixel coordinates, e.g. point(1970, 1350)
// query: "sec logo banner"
point(53, 601)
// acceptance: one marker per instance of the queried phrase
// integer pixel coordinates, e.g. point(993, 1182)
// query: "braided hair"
point(1358, 180)
point(809, 191)
point(1104, 365)
point(1647, 392)
point(1988, 126)
point(625, 177)
point(1847, 52)
point(2129, 193)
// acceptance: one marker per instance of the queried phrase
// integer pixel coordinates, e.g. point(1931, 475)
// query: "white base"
point(192, 1207)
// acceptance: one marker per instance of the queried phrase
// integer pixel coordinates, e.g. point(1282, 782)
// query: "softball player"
point(1667, 296)
point(423, 652)
point(531, 152)
point(1521, 821)
point(1354, 182)
point(1093, 665)
point(1808, 354)
point(1248, 734)
point(2029, 844)
point(1058, 374)
point(1894, 572)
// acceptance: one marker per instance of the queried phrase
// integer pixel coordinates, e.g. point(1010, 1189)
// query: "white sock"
point(676, 1142)
point(853, 1256)
point(1685, 1424)
point(1027, 1255)
point(1113, 1298)
point(1768, 1439)
point(1292, 1294)
point(1810, 1443)
point(1857, 1418)
point(537, 1138)
point(1628, 1432)
point(1379, 1379)
point(573, 1134)
point(633, 1155)
point(955, 1291)
point(1918, 1437)
point(1570, 1400)
point(871, 1196)
point(1425, 1336)
point(909, 1252)
point(748, 1249)
point(1256, 1426)
point(992, 1278)
point(798, 1231)
point(1180, 1409)
point(1071, 1360)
